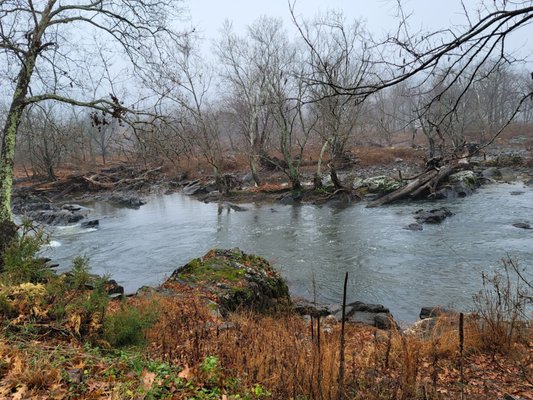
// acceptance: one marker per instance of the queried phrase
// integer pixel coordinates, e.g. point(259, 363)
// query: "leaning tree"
point(47, 48)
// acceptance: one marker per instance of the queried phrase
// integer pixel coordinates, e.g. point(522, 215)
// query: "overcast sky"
point(379, 15)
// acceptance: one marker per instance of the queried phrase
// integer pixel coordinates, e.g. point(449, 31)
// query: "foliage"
point(126, 326)
point(21, 263)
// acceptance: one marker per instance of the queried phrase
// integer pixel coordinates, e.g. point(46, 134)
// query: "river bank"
point(176, 342)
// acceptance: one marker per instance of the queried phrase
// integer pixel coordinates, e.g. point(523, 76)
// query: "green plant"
point(80, 273)
point(126, 327)
point(21, 263)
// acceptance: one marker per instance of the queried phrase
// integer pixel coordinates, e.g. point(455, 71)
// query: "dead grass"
point(287, 356)
point(372, 156)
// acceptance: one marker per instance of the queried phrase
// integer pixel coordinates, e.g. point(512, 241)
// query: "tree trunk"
point(253, 169)
point(9, 133)
point(317, 181)
point(334, 176)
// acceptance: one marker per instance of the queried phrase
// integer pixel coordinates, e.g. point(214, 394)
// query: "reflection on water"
point(387, 264)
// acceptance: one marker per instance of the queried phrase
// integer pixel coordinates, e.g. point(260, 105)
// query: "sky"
point(207, 16)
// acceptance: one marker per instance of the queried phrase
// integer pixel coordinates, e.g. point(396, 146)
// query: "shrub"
point(21, 263)
point(126, 326)
point(502, 306)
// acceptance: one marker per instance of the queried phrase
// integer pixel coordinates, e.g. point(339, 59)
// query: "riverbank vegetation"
point(63, 337)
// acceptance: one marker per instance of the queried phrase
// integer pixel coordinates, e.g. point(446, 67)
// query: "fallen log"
point(427, 181)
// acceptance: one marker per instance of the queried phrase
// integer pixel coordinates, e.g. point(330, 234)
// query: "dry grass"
point(370, 156)
point(287, 356)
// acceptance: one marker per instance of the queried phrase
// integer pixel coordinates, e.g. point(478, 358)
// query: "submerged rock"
point(415, 226)
point(236, 280)
point(522, 225)
point(434, 216)
point(90, 224)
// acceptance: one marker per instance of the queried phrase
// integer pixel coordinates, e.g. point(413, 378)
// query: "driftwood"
point(105, 181)
point(427, 181)
point(122, 178)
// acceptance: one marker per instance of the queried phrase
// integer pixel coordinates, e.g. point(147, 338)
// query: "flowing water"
point(314, 246)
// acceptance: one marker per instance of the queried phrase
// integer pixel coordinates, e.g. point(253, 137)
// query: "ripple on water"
point(387, 264)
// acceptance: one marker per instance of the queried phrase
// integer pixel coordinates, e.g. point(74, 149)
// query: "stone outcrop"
point(235, 280)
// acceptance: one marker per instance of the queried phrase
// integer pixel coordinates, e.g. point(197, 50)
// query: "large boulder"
point(460, 184)
point(235, 280)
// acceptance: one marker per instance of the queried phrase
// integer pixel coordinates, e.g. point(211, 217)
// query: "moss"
point(236, 279)
point(211, 269)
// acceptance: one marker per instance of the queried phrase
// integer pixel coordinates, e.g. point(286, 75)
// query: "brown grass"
point(285, 355)
point(370, 156)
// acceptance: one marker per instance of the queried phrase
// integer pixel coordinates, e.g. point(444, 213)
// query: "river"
point(314, 246)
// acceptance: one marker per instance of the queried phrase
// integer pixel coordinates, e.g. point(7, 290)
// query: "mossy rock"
point(381, 184)
point(236, 280)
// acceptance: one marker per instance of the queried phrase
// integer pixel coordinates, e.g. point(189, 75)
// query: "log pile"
point(423, 185)
point(119, 178)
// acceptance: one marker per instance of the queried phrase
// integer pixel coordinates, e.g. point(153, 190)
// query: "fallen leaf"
point(148, 379)
point(186, 373)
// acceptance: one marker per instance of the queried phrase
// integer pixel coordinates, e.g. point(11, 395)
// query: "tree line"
point(92, 79)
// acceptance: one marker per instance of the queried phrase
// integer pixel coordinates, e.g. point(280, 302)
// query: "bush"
point(126, 327)
point(503, 305)
point(21, 263)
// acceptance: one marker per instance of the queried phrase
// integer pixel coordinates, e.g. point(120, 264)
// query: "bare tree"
point(336, 56)
point(183, 81)
point(245, 62)
point(38, 42)
point(461, 52)
point(44, 135)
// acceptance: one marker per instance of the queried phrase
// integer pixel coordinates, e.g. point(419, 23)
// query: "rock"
point(290, 198)
point(434, 216)
point(90, 224)
point(48, 213)
point(381, 184)
point(306, 307)
point(236, 207)
point(492, 173)
point(248, 179)
point(237, 280)
point(145, 291)
point(372, 308)
point(529, 182)
point(414, 227)
point(522, 225)
point(431, 312)
point(72, 207)
point(517, 193)
point(384, 321)
point(129, 200)
point(460, 184)
point(375, 315)
point(114, 288)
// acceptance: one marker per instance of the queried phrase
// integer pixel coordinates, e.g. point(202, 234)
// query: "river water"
point(314, 246)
